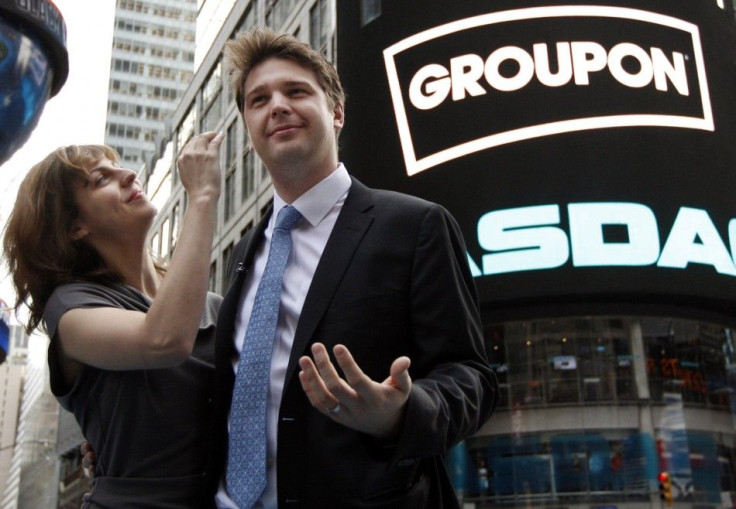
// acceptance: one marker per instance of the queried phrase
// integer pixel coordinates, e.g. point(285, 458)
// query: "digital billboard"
point(4, 331)
point(585, 148)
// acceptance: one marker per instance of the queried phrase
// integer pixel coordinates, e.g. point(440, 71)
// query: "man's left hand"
point(356, 401)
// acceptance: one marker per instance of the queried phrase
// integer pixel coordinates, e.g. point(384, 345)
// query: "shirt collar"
point(319, 200)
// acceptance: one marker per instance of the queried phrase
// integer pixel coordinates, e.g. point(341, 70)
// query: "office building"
point(152, 64)
point(12, 373)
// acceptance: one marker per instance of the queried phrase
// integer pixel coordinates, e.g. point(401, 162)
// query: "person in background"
point(373, 357)
point(131, 351)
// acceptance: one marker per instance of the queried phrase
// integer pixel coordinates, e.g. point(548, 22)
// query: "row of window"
point(144, 7)
point(279, 11)
point(592, 360)
point(594, 467)
point(136, 111)
point(156, 71)
point(130, 156)
point(171, 33)
point(165, 12)
point(130, 47)
point(168, 73)
point(125, 109)
point(168, 53)
point(133, 5)
point(131, 133)
point(161, 31)
point(123, 131)
point(129, 26)
point(128, 66)
point(319, 25)
point(135, 89)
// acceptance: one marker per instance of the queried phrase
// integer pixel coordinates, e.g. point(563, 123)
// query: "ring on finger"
point(335, 409)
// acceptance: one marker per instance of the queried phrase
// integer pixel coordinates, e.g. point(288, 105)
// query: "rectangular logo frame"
point(416, 165)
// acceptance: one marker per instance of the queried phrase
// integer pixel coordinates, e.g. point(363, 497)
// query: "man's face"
point(289, 120)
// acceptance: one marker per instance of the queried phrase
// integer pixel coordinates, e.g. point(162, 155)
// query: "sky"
point(76, 115)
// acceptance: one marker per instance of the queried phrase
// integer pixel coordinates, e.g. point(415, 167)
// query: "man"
point(377, 279)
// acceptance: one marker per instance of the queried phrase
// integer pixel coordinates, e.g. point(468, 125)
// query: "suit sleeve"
point(454, 389)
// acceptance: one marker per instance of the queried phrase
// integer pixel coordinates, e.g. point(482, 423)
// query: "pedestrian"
point(350, 353)
point(131, 350)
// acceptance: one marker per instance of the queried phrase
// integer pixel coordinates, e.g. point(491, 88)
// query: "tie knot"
point(287, 218)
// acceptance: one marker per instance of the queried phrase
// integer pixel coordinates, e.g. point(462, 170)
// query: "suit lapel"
point(350, 227)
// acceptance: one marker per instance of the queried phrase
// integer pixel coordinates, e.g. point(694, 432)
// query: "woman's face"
point(112, 205)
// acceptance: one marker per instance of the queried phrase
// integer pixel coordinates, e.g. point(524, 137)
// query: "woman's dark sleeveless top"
point(148, 428)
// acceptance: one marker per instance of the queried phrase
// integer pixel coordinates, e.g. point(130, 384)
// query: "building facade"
point(29, 427)
point(12, 374)
point(36, 439)
point(152, 64)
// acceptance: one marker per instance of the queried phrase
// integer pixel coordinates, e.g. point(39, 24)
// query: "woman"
point(132, 344)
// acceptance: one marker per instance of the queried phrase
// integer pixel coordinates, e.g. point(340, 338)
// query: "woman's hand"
point(199, 166)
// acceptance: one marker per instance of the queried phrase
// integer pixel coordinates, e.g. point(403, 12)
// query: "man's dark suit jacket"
point(393, 280)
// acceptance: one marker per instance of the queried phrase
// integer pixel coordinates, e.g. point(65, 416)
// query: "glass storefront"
point(593, 409)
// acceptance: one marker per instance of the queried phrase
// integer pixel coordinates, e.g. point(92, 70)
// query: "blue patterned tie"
point(246, 466)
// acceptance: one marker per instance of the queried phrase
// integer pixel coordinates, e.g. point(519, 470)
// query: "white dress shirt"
point(319, 207)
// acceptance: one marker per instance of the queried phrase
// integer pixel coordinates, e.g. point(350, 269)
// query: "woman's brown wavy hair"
point(37, 245)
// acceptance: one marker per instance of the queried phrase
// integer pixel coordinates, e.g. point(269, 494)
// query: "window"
point(248, 180)
point(229, 204)
point(226, 255)
point(246, 228)
point(689, 359)
point(213, 277)
point(264, 209)
point(165, 237)
point(249, 19)
point(213, 85)
point(563, 361)
point(264, 172)
point(174, 226)
point(231, 148)
point(279, 12)
point(369, 10)
point(231, 144)
point(212, 99)
point(186, 129)
point(319, 25)
point(153, 113)
point(156, 245)
point(212, 115)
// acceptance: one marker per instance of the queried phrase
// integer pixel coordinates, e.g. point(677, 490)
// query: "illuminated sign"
point(565, 362)
point(482, 70)
point(576, 60)
point(529, 238)
point(4, 330)
point(586, 151)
